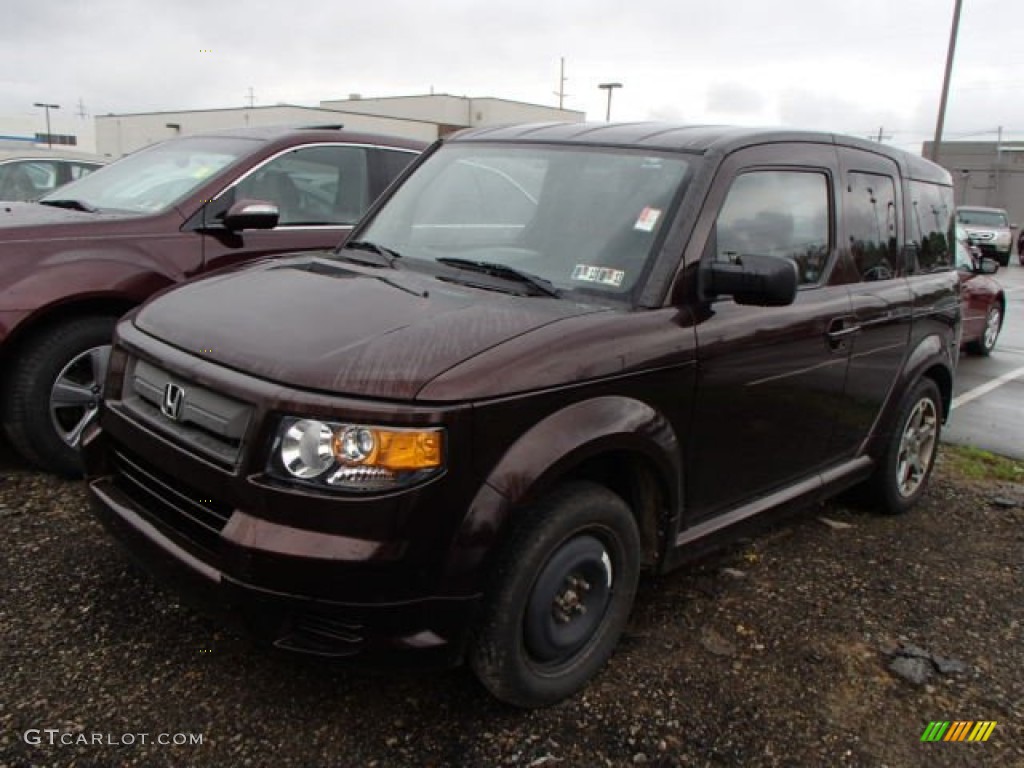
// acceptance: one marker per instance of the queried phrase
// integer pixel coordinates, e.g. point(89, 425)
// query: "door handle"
point(839, 330)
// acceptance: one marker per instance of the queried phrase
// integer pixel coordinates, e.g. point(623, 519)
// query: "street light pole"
point(48, 107)
point(609, 87)
point(945, 81)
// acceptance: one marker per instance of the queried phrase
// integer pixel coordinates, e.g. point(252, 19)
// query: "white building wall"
point(438, 108)
point(488, 111)
point(19, 130)
point(458, 111)
point(117, 135)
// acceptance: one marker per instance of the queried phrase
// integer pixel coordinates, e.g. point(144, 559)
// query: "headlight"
point(355, 456)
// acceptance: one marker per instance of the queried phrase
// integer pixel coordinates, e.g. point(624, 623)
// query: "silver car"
point(988, 229)
point(28, 174)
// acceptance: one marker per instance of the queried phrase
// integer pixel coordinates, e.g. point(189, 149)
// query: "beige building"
point(986, 173)
point(416, 117)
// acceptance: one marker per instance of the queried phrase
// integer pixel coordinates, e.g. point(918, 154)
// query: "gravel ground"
point(776, 652)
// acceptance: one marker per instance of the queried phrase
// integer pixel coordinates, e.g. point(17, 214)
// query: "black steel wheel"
point(561, 597)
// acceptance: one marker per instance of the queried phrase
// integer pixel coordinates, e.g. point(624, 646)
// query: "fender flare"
point(546, 453)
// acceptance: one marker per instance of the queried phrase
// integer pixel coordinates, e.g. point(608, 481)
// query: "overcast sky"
point(853, 66)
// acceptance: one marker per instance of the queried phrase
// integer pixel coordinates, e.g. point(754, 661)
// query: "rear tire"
point(43, 423)
point(984, 345)
point(563, 590)
point(906, 464)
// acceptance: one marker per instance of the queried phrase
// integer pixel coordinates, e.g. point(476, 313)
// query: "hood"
point(32, 220)
point(334, 327)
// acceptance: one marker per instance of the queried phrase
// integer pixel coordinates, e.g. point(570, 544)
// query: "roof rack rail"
point(324, 127)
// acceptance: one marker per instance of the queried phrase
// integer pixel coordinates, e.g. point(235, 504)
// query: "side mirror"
point(755, 279)
point(987, 266)
point(251, 214)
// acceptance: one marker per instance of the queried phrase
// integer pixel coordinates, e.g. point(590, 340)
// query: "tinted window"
point(78, 170)
point(930, 226)
point(324, 185)
point(394, 162)
point(870, 209)
point(777, 213)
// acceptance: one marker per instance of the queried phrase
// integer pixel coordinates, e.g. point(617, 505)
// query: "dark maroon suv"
point(550, 358)
point(71, 264)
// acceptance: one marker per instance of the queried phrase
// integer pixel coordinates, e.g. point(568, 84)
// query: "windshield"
point(153, 179)
point(994, 219)
point(580, 218)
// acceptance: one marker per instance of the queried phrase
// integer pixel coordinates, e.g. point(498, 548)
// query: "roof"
point(32, 153)
point(699, 139)
point(319, 132)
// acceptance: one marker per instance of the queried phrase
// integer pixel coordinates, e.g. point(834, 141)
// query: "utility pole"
point(999, 162)
point(609, 87)
point(945, 82)
point(252, 97)
point(881, 135)
point(81, 109)
point(560, 93)
point(48, 107)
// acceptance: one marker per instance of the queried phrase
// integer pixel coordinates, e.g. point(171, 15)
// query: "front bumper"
point(294, 622)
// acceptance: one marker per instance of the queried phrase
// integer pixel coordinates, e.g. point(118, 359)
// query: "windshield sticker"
point(647, 219)
point(603, 275)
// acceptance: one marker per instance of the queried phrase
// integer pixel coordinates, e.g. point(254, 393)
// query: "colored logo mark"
point(959, 730)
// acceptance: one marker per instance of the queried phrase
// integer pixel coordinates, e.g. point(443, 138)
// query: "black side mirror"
point(251, 214)
point(987, 266)
point(755, 279)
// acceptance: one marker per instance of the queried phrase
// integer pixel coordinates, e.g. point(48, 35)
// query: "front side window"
point(930, 227)
point(583, 219)
point(777, 213)
point(312, 186)
point(870, 208)
point(155, 178)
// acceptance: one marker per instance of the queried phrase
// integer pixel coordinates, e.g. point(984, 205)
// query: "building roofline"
point(453, 96)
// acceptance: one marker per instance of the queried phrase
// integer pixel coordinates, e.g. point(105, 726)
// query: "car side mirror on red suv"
point(755, 279)
point(251, 214)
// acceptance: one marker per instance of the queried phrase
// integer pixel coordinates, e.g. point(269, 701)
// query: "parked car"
point(29, 174)
point(1020, 247)
point(981, 296)
point(72, 263)
point(988, 229)
point(551, 357)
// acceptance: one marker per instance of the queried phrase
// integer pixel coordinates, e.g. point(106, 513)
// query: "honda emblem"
point(174, 400)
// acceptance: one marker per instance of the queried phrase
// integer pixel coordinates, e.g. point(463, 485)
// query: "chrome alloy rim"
point(992, 326)
point(76, 393)
point(917, 447)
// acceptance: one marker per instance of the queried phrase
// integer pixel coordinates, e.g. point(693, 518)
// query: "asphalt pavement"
point(988, 404)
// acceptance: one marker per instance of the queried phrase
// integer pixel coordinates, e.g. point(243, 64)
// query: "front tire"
point(54, 391)
point(902, 474)
point(563, 590)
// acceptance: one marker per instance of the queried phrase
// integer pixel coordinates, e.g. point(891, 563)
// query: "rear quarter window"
point(931, 226)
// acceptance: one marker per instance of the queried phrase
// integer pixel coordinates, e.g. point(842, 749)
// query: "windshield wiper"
point(387, 254)
point(504, 272)
point(74, 205)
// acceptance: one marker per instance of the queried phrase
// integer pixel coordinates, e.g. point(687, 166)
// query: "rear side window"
point(930, 227)
point(870, 209)
point(777, 213)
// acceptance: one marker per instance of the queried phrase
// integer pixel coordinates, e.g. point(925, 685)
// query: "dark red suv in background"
point(72, 263)
point(551, 357)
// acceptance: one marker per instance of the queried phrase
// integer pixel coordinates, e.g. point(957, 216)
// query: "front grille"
point(205, 421)
point(169, 504)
